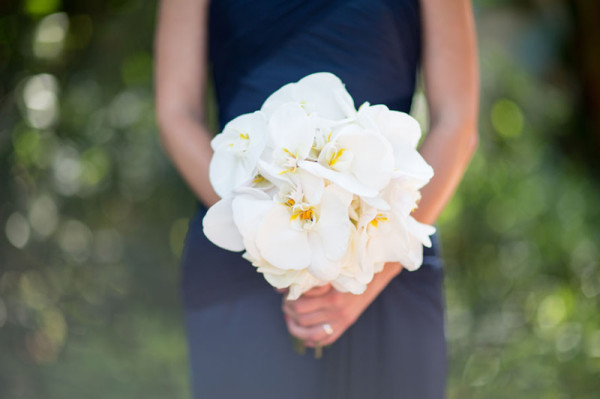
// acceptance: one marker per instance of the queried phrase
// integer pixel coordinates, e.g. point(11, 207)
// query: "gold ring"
point(327, 328)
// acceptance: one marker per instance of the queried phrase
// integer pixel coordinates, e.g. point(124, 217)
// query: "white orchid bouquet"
point(315, 191)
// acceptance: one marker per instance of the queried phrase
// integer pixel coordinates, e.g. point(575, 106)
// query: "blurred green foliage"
point(90, 209)
point(93, 216)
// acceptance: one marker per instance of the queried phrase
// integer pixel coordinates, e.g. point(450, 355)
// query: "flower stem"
point(298, 345)
point(318, 351)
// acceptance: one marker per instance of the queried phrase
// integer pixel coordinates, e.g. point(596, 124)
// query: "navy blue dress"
point(239, 345)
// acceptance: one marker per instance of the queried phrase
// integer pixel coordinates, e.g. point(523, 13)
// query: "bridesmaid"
point(388, 342)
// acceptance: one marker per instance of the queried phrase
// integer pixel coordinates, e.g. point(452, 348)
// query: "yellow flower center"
point(305, 215)
point(336, 156)
point(377, 219)
point(290, 162)
point(258, 179)
point(241, 144)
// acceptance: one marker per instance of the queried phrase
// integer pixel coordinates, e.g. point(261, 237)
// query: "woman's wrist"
point(394, 267)
point(391, 270)
point(382, 279)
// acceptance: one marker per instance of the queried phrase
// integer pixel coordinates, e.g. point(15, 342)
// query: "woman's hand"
point(306, 316)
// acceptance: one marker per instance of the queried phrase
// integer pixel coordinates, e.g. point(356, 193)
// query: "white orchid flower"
point(298, 281)
point(236, 152)
point(322, 93)
point(357, 268)
point(316, 224)
point(248, 207)
point(219, 227)
point(403, 133)
point(247, 211)
point(394, 235)
point(358, 160)
point(291, 136)
point(295, 234)
point(231, 222)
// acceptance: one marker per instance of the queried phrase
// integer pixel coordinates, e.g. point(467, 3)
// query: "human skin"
point(452, 89)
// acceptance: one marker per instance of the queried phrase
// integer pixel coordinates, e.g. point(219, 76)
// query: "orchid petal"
point(321, 93)
point(249, 208)
point(272, 173)
point(283, 95)
point(345, 102)
point(377, 202)
point(291, 130)
point(410, 164)
point(280, 244)
point(226, 172)
point(373, 160)
point(386, 248)
point(299, 287)
point(321, 266)
point(279, 280)
point(348, 284)
point(236, 151)
point(312, 186)
point(219, 227)
point(420, 231)
point(398, 127)
point(334, 227)
point(344, 180)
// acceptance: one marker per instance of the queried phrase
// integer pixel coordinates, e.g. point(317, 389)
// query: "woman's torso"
point(255, 47)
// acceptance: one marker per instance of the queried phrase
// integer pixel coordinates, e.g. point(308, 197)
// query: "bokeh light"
point(49, 37)
point(40, 96)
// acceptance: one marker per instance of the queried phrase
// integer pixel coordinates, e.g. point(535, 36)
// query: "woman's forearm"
point(451, 76)
point(180, 84)
point(448, 149)
point(187, 142)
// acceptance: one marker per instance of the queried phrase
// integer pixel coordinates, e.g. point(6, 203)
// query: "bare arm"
point(450, 68)
point(180, 82)
point(452, 87)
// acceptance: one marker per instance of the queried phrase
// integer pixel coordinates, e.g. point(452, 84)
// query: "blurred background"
point(93, 216)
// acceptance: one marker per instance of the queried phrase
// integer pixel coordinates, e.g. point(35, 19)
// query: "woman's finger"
point(311, 319)
point(308, 334)
point(327, 339)
point(305, 305)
